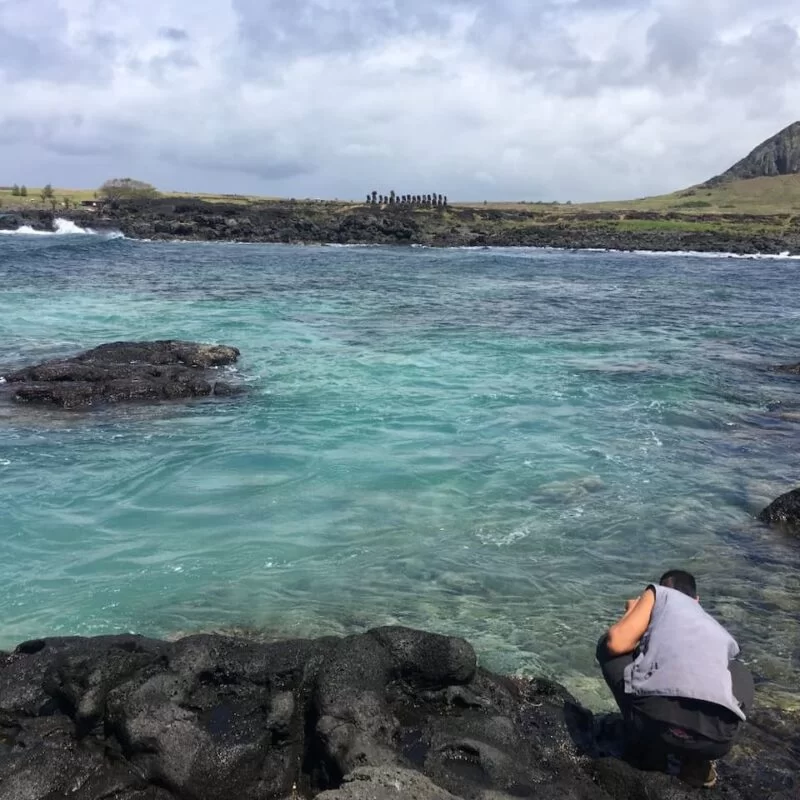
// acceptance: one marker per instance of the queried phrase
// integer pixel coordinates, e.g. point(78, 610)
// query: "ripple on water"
point(497, 444)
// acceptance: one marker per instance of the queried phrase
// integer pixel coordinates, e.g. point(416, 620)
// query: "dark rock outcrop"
point(391, 713)
point(124, 372)
point(171, 218)
point(778, 155)
point(784, 511)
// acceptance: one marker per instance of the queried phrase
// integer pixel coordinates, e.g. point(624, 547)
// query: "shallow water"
point(502, 444)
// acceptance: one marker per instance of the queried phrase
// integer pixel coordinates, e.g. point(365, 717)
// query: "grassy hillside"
point(755, 196)
point(76, 196)
point(778, 195)
point(775, 195)
point(34, 200)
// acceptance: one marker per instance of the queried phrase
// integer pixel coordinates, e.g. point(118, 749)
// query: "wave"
point(352, 246)
point(64, 227)
point(783, 256)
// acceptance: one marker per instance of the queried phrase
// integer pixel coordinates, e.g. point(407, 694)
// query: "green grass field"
point(76, 196)
point(779, 196)
point(34, 199)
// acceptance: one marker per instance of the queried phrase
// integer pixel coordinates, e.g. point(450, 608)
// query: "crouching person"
point(672, 669)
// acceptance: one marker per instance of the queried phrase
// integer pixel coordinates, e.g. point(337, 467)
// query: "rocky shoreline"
point(189, 219)
point(392, 713)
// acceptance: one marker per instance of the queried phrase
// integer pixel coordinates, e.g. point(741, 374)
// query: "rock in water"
point(125, 372)
point(783, 511)
point(393, 713)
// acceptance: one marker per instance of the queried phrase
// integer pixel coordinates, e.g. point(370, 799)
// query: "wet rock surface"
point(387, 714)
point(785, 511)
point(122, 372)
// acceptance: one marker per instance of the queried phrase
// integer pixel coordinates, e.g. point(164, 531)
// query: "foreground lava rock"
point(125, 372)
point(783, 511)
point(393, 713)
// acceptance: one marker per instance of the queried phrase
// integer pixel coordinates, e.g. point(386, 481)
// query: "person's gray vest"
point(685, 652)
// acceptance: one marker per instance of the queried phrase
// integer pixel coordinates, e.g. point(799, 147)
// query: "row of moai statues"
point(421, 200)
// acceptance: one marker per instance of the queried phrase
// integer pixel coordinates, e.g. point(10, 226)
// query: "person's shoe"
point(698, 773)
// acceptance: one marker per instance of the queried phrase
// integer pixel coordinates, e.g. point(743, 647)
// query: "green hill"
point(776, 195)
point(778, 155)
point(766, 181)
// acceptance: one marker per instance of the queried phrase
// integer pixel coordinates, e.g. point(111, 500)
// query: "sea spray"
point(64, 227)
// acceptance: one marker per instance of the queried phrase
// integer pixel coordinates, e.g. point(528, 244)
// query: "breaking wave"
point(64, 227)
point(786, 255)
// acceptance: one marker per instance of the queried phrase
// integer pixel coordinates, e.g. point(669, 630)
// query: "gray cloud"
point(678, 44)
point(277, 27)
point(263, 155)
point(567, 99)
point(174, 34)
point(28, 57)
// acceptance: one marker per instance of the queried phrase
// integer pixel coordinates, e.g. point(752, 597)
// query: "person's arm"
point(624, 635)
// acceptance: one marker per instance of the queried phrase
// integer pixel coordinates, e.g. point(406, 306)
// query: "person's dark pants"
point(654, 737)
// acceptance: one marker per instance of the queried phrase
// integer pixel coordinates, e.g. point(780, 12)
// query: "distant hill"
point(778, 155)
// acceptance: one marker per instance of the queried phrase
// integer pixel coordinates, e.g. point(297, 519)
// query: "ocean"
point(500, 444)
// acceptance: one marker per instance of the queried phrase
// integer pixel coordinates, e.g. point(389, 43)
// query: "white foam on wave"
point(64, 227)
point(784, 256)
point(352, 246)
point(503, 539)
point(717, 254)
point(25, 230)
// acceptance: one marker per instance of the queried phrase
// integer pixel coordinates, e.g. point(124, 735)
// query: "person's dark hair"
point(681, 581)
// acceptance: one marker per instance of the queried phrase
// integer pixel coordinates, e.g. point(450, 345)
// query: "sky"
point(476, 99)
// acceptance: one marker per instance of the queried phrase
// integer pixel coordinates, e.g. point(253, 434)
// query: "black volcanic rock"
point(784, 511)
point(164, 219)
point(778, 155)
point(124, 372)
point(393, 713)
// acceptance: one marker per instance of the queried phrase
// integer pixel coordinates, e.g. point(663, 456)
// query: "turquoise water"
point(501, 444)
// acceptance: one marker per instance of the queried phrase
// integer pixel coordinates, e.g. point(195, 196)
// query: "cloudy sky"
point(479, 99)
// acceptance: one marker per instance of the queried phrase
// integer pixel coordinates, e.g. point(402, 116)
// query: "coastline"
point(74, 682)
point(116, 234)
point(393, 712)
point(287, 222)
